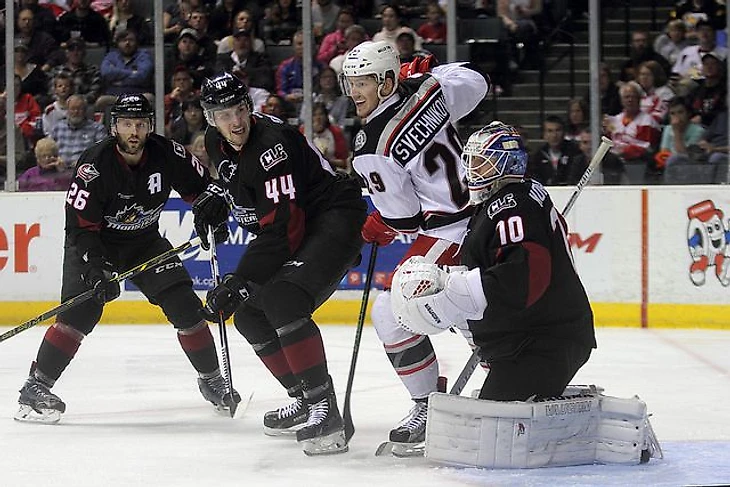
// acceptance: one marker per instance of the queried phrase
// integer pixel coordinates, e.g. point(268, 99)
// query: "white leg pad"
point(579, 430)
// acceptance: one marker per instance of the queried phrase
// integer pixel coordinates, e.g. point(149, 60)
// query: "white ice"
point(135, 417)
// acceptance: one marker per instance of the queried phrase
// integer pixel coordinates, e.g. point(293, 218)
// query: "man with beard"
point(113, 206)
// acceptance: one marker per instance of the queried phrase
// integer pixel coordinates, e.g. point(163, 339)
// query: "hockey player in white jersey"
point(407, 152)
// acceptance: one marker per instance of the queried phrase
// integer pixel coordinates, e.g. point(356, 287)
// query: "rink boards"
point(648, 257)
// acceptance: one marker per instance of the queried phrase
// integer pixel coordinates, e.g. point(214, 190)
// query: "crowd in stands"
point(667, 104)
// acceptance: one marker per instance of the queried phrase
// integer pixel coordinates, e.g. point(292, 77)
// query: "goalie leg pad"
point(578, 430)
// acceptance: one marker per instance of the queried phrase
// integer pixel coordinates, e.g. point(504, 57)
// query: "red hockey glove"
point(376, 230)
point(420, 64)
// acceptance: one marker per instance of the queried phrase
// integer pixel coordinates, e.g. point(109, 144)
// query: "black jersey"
point(111, 203)
point(276, 184)
point(519, 241)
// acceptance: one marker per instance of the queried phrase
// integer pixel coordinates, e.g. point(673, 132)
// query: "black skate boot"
point(407, 439)
point(324, 431)
point(38, 404)
point(214, 390)
point(286, 420)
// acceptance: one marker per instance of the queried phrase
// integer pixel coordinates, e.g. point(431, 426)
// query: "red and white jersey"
point(408, 152)
point(656, 103)
point(633, 137)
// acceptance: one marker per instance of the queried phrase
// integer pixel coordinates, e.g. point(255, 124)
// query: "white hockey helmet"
point(380, 59)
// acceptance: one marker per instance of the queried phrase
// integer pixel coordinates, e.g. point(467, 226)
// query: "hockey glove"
point(100, 277)
point(210, 209)
point(420, 64)
point(225, 298)
point(377, 231)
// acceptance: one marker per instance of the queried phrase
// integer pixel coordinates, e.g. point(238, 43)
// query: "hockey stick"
point(215, 273)
point(474, 360)
point(346, 413)
point(85, 296)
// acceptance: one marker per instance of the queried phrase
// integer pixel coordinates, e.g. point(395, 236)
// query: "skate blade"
point(401, 450)
point(326, 445)
point(27, 414)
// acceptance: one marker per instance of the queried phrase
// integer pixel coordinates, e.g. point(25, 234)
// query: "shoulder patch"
point(178, 148)
point(360, 140)
point(87, 173)
point(501, 203)
point(273, 156)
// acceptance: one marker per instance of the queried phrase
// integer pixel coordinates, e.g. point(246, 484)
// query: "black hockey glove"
point(210, 209)
point(100, 277)
point(225, 298)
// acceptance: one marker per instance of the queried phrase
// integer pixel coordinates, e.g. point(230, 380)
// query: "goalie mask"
point(379, 59)
point(493, 157)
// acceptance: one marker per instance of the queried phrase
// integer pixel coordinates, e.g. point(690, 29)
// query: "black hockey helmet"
point(132, 106)
point(224, 90)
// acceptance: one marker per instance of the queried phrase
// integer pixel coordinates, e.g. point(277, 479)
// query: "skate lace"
point(42, 393)
point(416, 417)
point(291, 409)
point(217, 385)
point(317, 412)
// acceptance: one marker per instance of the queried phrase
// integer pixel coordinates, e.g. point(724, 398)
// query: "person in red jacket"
point(27, 112)
point(635, 134)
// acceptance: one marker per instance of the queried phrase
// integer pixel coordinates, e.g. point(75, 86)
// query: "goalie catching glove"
point(225, 298)
point(427, 299)
point(210, 209)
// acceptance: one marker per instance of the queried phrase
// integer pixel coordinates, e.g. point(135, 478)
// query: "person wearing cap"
point(126, 69)
point(689, 62)
point(242, 20)
point(33, 79)
point(243, 61)
point(710, 96)
point(86, 77)
point(83, 21)
point(186, 52)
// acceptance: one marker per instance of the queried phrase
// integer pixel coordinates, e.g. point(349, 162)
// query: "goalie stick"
point(215, 274)
point(85, 296)
point(468, 370)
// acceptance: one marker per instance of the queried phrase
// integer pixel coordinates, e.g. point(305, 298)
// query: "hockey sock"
point(58, 347)
point(197, 343)
point(414, 360)
point(304, 351)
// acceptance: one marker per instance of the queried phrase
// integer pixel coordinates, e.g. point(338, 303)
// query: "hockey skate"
point(214, 389)
point(408, 438)
point(324, 431)
point(38, 404)
point(287, 420)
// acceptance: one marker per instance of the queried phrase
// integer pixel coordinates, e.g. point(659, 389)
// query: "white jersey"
point(408, 152)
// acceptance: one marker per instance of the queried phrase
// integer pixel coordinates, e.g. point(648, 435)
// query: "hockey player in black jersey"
point(307, 222)
point(112, 210)
point(524, 302)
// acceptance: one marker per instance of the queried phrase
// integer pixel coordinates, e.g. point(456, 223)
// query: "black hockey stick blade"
point(85, 296)
point(346, 412)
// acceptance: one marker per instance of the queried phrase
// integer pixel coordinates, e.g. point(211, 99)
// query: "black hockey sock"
point(197, 343)
point(58, 347)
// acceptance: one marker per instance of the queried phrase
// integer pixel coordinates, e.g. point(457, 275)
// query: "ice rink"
point(135, 416)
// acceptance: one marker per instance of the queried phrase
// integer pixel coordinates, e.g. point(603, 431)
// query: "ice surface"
point(135, 416)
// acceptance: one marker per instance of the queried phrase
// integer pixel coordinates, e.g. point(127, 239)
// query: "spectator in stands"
point(635, 134)
point(175, 19)
point(222, 19)
point(433, 31)
point(19, 158)
point(197, 148)
point(671, 43)
point(281, 21)
point(182, 91)
point(577, 118)
point(126, 69)
point(657, 94)
point(710, 97)
point(689, 62)
point(49, 173)
point(714, 142)
point(274, 106)
point(33, 79)
point(242, 21)
point(27, 113)
point(42, 47)
point(83, 21)
point(679, 136)
point(611, 166)
point(206, 43)
point(328, 138)
point(243, 61)
point(290, 75)
point(333, 43)
point(519, 19)
point(58, 110)
point(406, 45)
point(86, 77)
point(186, 52)
point(693, 11)
point(125, 18)
point(553, 163)
point(391, 18)
point(325, 14)
point(77, 132)
point(327, 92)
point(641, 51)
point(192, 121)
point(610, 98)
point(354, 35)
point(44, 19)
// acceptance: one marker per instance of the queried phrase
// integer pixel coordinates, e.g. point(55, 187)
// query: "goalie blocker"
point(575, 430)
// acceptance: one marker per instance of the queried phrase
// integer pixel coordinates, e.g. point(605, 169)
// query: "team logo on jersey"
point(506, 201)
point(134, 217)
point(227, 169)
point(273, 156)
point(360, 140)
point(87, 173)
